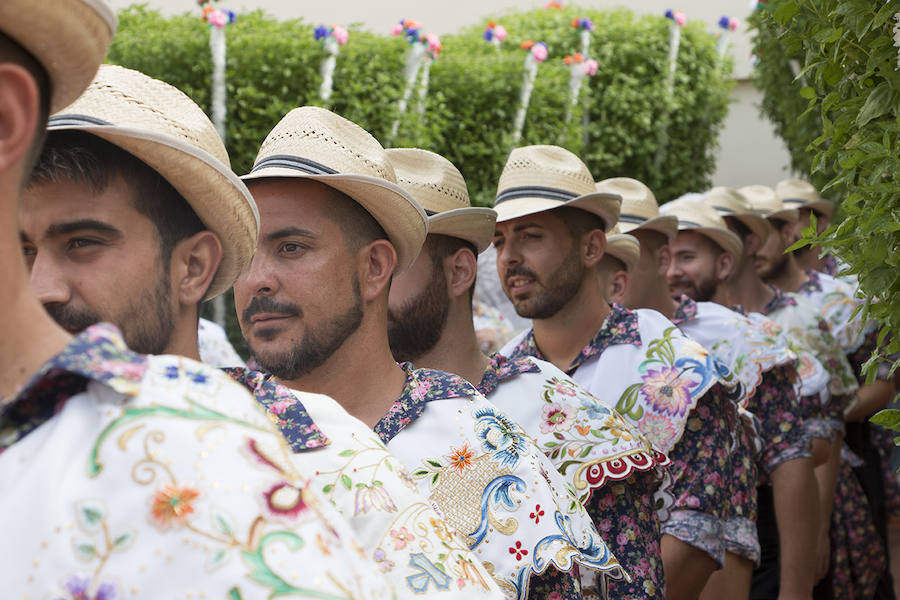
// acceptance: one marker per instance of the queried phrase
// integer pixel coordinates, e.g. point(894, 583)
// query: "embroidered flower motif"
point(372, 497)
point(657, 428)
point(284, 499)
point(518, 551)
point(565, 388)
point(441, 529)
point(380, 557)
point(461, 458)
point(536, 514)
point(666, 391)
point(401, 538)
point(616, 428)
point(500, 436)
point(78, 585)
point(557, 417)
point(277, 408)
point(172, 505)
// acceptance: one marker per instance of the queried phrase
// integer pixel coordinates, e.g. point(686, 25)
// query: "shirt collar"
point(287, 412)
point(779, 300)
point(812, 285)
point(422, 386)
point(830, 265)
point(97, 354)
point(620, 327)
point(685, 311)
point(501, 368)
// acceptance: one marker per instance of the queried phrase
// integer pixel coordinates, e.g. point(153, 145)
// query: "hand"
point(823, 556)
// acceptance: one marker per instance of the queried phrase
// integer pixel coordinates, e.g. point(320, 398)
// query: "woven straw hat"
point(731, 204)
point(440, 189)
point(165, 129)
point(796, 193)
point(539, 178)
point(764, 201)
point(314, 143)
point(68, 37)
point(639, 207)
point(625, 247)
point(697, 216)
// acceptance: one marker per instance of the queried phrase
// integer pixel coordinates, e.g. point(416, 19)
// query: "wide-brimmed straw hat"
point(440, 189)
point(540, 178)
point(314, 143)
point(796, 193)
point(165, 129)
point(639, 207)
point(697, 216)
point(625, 247)
point(766, 203)
point(731, 204)
point(68, 38)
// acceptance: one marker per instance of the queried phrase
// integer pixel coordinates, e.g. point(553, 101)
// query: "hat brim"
point(474, 225)
point(210, 187)
point(625, 248)
point(606, 206)
point(664, 224)
point(403, 220)
point(755, 223)
point(791, 215)
point(724, 238)
point(822, 206)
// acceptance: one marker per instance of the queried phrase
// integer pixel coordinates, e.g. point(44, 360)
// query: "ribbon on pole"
point(537, 53)
point(433, 47)
point(332, 39)
point(410, 30)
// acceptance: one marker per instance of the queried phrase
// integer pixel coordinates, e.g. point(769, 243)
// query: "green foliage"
point(845, 102)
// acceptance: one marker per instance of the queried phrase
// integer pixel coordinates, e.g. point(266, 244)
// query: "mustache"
point(70, 318)
point(519, 271)
point(267, 304)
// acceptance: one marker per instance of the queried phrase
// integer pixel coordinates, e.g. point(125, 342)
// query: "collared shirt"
point(156, 477)
point(837, 301)
point(214, 347)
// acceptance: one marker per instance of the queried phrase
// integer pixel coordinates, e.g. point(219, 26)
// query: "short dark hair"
point(81, 157)
point(11, 51)
point(442, 246)
point(579, 221)
point(739, 227)
point(357, 224)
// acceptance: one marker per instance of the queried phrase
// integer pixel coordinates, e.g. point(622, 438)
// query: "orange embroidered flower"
point(172, 504)
point(461, 458)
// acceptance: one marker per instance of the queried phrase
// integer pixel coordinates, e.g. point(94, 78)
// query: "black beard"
point(417, 327)
point(561, 287)
point(776, 270)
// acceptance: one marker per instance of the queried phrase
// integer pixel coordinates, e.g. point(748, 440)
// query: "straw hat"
point(764, 201)
point(68, 37)
point(730, 203)
point(625, 247)
point(639, 207)
point(539, 178)
point(796, 193)
point(161, 126)
point(702, 218)
point(440, 189)
point(314, 143)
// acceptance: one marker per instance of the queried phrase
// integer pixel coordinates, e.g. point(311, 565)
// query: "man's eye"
point(78, 243)
point(29, 250)
point(291, 247)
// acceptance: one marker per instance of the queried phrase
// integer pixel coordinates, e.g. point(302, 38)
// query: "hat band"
point(297, 163)
point(430, 213)
point(629, 218)
point(76, 120)
point(793, 201)
point(534, 192)
point(689, 223)
point(724, 210)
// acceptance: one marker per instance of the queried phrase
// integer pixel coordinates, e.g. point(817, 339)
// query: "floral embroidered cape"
point(588, 441)
point(837, 301)
point(641, 361)
point(396, 525)
point(215, 349)
point(158, 478)
point(491, 482)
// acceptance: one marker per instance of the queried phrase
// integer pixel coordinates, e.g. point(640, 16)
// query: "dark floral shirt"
point(830, 265)
point(501, 368)
point(685, 311)
point(779, 300)
point(777, 408)
point(286, 410)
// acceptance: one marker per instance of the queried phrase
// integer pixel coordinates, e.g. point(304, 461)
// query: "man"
point(84, 222)
point(314, 306)
point(802, 195)
point(113, 463)
point(430, 325)
point(550, 237)
point(704, 255)
point(824, 373)
point(623, 253)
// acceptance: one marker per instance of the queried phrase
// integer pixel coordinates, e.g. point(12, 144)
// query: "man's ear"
point(378, 260)
point(194, 264)
point(460, 268)
point(593, 245)
point(663, 260)
point(724, 266)
point(20, 102)
point(618, 287)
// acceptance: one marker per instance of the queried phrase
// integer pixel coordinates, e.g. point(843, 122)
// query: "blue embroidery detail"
point(596, 551)
point(496, 493)
point(429, 572)
point(500, 436)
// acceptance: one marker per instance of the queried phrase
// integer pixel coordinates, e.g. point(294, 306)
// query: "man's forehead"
point(543, 219)
point(68, 200)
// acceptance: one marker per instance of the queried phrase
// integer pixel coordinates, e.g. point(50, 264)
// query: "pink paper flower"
point(218, 18)
point(397, 29)
point(539, 52)
point(341, 35)
point(590, 67)
point(500, 32)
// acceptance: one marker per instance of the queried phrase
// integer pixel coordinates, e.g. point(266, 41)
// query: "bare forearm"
point(796, 511)
point(871, 398)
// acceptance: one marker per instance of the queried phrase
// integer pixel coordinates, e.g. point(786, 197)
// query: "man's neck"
point(362, 375)
point(747, 289)
point(184, 340)
point(656, 296)
point(562, 337)
point(457, 351)
point(791, 276)
point(808, 258)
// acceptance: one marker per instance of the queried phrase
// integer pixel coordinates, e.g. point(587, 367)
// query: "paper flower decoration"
point(584, 23)
point(408, 28)
point(340, 34)
point(433, 43)
point(539, 52)
point(677, 16)
point(215, 16)
point(589, 66)
point(494, 31)
point(556, 5)
point(728, 23)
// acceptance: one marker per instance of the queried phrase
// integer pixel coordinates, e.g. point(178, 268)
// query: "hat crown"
point(796, 189)
point(728, 201)
point(637, 198)
point(546, 167)
point(129, 99)
point(762, 198)
point(692, 214)
point(320, 142)
point(435, 183)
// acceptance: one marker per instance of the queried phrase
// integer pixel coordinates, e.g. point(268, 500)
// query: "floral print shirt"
point(837, 301)
point(160, 477)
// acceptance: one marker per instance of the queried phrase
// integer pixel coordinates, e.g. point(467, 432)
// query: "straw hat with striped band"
point(796, 193)
point(625, 247)
point(539, 178)
point(162, 127)
point(440, 189)
point(731, 204)
point(694, 215)
point(68, 37)
point(313, 143)
point(639, 207)
point(764, 201)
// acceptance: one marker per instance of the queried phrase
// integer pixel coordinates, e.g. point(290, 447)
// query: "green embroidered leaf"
point(85, 550)
point(92, 515)
point(327, 489)
point(346, 481)
point(122, 540)
point(434, 463)
point(220, 522)
point(435, 478)
point(347, 453)
point(585, 452)
point(235, 594)
point(420, 473)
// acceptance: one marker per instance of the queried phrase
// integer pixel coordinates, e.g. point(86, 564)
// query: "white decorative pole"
point(332, 39)
point(537, 53)
point(678, 20)
point(727, 25)
point(410, 29)
point(433, 48)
